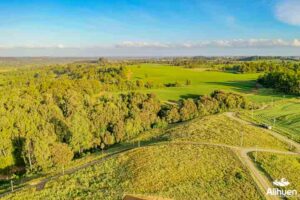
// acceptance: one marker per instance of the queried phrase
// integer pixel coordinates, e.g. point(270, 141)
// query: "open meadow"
point(88, 108)
point(278, 166)
point(283, 116)
point(220, 129)
point(149, 99)
point(169, 171)
point(202, 81)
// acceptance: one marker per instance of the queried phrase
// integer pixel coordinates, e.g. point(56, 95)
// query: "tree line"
point(287, 81)
point(264, 66)
point(216, 102)
point(51, 115)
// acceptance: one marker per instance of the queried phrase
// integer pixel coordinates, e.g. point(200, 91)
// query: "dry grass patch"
point(224, 130)
point(166, 171)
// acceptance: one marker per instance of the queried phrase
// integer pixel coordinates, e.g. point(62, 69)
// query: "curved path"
point(260, 179)
point(242, 152)
point(273, 133)
point(40, 185)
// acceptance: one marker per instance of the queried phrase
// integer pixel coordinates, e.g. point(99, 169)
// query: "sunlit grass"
point(171, 171)
point(284, 116)
point(221, 129)
point(202, 82)
point(278, 166)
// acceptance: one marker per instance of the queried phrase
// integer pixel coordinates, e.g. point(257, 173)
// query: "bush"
point(188, 82)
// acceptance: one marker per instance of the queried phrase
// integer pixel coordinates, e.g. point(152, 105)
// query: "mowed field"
point(202, 82)
point(169, 171)
point(286, 115)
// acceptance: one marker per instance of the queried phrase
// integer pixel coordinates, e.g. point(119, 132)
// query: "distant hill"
point(38, 61)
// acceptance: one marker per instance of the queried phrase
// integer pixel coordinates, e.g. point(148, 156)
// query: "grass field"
point(176, 171)
point(202, 82)
point(87, 158)
point(286, 115)
point(278, 166)
point(170, 171)
point(221, 129)
point(187, 171)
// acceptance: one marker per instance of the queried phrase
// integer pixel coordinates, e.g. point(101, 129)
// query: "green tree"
point(61, 155)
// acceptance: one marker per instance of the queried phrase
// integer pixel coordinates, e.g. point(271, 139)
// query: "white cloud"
point(251, 43)
point(31, 46)
point(61, 46)
point(288, 11)
point(296, 43)
point(235, 43)
point(133, 44)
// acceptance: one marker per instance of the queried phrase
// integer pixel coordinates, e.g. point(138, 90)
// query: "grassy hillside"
point(178, 172)
point(281, 166)
point(286, 115)
point(224, 130)
point(202, 82)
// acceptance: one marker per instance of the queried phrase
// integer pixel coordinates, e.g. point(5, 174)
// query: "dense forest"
point(54, 114)
point(287, 81)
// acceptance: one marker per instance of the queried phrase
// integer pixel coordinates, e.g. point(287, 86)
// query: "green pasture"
point(202, 82)
point(284, 116)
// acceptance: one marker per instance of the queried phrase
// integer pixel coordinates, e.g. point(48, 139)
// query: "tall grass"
point(224, 130)
point(170, 171)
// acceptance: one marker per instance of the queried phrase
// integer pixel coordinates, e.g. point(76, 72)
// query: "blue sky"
point(149, 27)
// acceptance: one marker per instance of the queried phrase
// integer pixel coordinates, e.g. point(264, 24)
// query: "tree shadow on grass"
point(190, 96)
point(268, 92)
point(250, 87)
point(238, 86)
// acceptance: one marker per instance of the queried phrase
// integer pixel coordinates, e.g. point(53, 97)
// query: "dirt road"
point(273, 133)
point(260, 179)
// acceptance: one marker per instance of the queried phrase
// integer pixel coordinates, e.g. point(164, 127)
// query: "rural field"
point(283, 116)
point(278, 165)
point(169, 171)
point(203, 81)
point(150, 100)
point(148, 130)
point(93, 129)
point(221, 129)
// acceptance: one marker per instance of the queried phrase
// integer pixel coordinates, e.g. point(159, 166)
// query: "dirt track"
point(262, 181)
